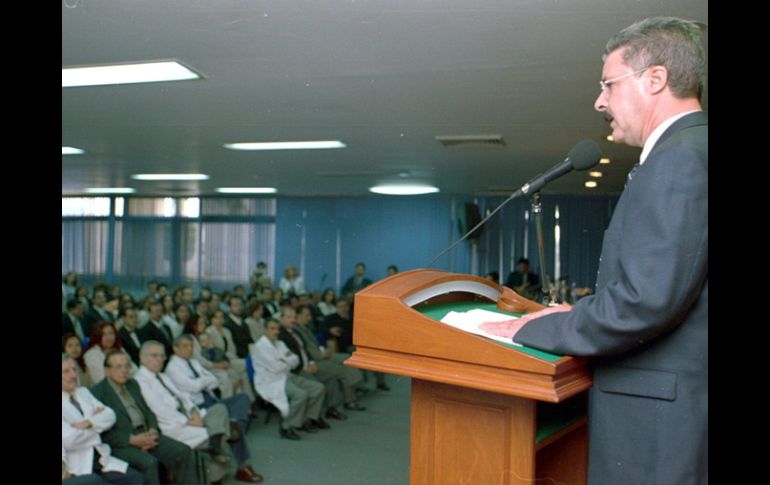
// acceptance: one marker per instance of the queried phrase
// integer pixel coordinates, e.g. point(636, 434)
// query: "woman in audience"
point(71, 346)
point(69, 285)
point(169, 315)
point(255, 321)
point(223, 339)
point(104, 338)
point(143, 312)
point(328, 303)
point(229, 383)
point(181, 316)
point(292, 283)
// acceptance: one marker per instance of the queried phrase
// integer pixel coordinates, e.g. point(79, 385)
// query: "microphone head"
point(585, 155)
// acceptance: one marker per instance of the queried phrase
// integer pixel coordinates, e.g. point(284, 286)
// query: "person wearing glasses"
point(646, 325)
point(135, 436)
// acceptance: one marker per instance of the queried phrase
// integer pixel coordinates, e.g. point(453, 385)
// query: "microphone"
point(583, 156)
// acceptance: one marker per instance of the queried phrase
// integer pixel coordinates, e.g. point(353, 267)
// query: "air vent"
point(471, 141)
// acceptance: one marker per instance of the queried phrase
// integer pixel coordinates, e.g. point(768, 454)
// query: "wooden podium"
point(480, 412)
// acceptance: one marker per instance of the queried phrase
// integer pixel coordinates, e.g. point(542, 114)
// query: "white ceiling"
point(385, 77)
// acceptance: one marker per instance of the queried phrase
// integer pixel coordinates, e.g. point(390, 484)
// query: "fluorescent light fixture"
point(247, 190)
point(595, 174)
point(403, 189)
point(604, 161)
point(591, 184)
point(110, 190)
point(147, 72)
point(72, 151)
point(170, 176)
point(287, 145)
point(610, 138)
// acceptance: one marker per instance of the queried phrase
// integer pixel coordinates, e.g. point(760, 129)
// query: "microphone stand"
point(548, 290)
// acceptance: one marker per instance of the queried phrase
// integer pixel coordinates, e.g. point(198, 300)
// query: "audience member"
point(273, 380)
point(357, 282)
point(83, 419)
point(135, 437)
point(71, 346)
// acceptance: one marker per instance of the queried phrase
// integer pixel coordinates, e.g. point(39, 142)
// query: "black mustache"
point(608, 117)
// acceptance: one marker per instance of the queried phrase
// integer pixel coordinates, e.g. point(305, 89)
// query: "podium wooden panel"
point(474, 413)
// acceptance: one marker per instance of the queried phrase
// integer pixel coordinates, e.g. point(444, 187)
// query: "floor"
point(370, 448)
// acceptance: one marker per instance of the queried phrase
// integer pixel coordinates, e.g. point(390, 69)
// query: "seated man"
point(523, 282)
point(83, 418)
point(346, 377)
point(135, 437)
point(298, 399)
point(178, 417)
point(189, 376)
point(308, 367)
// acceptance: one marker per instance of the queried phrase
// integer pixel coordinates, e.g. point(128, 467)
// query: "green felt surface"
point(437, 312)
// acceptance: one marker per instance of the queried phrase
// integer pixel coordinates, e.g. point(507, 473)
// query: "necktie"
point(195, 372)
point(208, 399)
point(632, 173)
point(133, 405)
point(180, 406)
point(76, 404)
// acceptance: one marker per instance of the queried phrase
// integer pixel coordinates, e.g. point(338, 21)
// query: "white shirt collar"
point(657, 132)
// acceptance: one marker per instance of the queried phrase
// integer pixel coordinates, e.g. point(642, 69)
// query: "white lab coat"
point(172, 423)
point(271, 368)
point(79, 444)
point(179, 372)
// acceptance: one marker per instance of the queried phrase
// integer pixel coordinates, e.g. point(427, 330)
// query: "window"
point(85, 206)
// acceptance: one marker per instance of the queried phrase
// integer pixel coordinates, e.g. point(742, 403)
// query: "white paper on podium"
point(469, 322)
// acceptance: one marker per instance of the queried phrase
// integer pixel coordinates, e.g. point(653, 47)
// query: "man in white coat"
point(273, 380)
point(83, 418)
point(180, 418)
point(190, 377)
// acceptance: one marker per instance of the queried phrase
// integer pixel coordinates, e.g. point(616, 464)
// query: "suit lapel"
point(693, 119)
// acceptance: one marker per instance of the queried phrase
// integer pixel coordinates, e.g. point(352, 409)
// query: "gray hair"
point(665, 41)
point(145, 349)
point(65, 356)
point(179, 339)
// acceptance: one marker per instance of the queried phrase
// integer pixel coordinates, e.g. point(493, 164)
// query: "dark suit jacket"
point(121, 431)
point(241, 337)
point(151, 332)
point(129, 345)
point(92, 317)
point(68, 327)
point(517, 279)
point(648, 322)
point(334, 320)
point(294, 347)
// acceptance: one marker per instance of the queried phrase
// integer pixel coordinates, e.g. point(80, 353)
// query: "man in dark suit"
point(98, 313)
point(135, 437)
point(522, 281)
point(647, 324)
point(357, 282)
point(72, 320)
point(128, 333)
point(156, 329)
point(239, 329)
